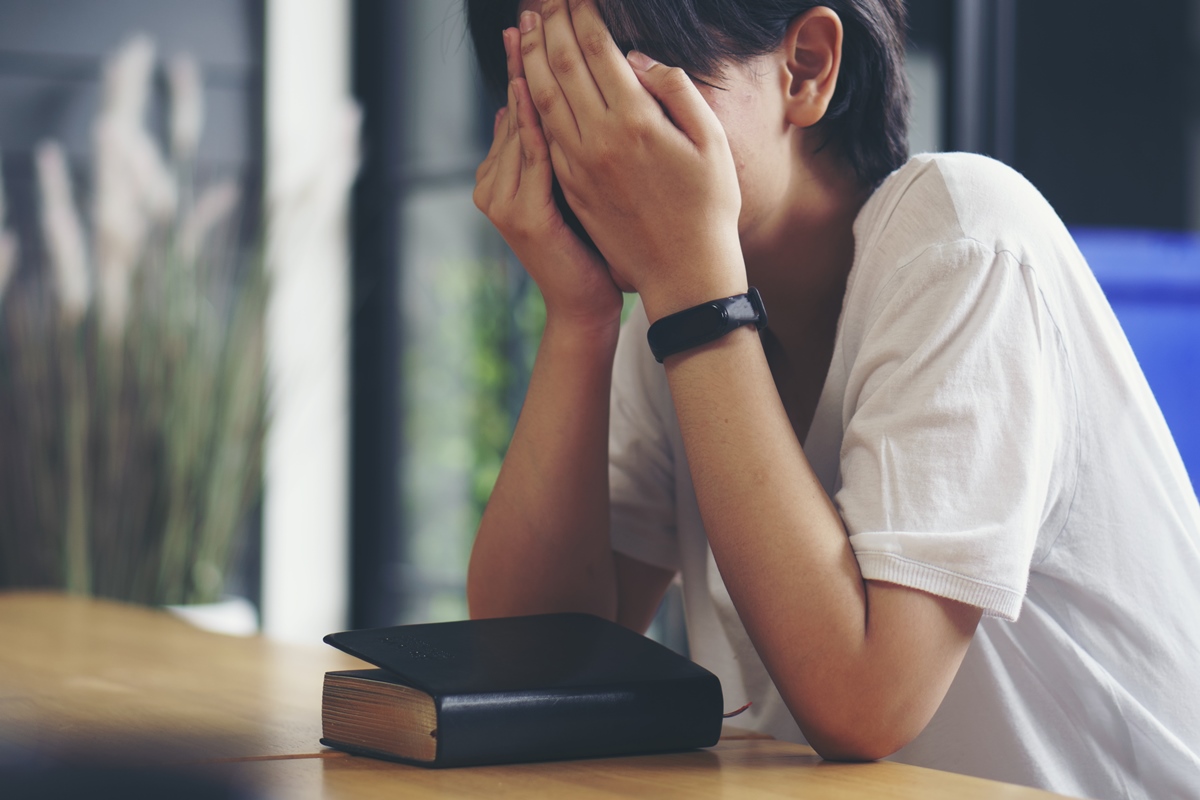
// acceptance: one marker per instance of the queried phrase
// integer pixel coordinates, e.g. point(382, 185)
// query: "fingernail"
point(528, 21)
point(640, 61)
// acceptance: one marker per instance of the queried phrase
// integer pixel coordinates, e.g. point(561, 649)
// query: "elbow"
point(478, 599)
point(862, 747)
point(864, 737)
point(499, 594)
point(489, 596)
point(858, 718)
point(477, 606)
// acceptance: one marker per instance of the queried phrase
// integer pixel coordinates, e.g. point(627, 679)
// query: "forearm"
point(543, 543)
point(828, 638)
point(652, 175)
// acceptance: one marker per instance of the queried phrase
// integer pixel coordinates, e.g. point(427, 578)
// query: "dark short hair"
point(868, 116)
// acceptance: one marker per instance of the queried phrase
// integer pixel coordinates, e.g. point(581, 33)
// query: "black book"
point(537, 688)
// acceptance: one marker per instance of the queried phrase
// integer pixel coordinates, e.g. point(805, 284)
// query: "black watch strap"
point(700, 324)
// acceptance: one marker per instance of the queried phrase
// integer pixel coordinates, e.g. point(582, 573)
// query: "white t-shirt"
point(987, 435)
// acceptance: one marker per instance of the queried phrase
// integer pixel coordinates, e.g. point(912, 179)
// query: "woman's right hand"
point(513, 188)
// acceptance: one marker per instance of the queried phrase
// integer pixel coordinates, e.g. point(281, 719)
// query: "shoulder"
point(941, 197)
point(954, 211)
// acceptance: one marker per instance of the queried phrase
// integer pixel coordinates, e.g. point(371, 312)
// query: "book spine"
point(657, 716)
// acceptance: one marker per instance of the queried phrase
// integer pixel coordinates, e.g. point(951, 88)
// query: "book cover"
point(533, 688)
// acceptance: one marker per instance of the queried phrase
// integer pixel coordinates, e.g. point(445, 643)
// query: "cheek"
point(754, 141)
point(756, 170)
point(746, 128)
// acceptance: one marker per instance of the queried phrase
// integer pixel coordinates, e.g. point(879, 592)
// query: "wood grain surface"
point(89, 674)
point(737, 768)
point(134, 684)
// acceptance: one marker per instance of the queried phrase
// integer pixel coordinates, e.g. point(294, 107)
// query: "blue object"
point(1152, 280)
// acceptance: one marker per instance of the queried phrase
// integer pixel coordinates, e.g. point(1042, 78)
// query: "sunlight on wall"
point(305, 516)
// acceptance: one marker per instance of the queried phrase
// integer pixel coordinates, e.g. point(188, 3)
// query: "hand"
point(513, 188)
point(642, 159)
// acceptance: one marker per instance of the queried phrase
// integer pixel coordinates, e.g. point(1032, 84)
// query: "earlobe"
point(813, 46)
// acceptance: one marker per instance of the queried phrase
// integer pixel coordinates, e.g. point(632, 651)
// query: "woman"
point(932, 509)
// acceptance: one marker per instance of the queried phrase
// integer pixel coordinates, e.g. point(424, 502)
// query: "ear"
point(813, 50)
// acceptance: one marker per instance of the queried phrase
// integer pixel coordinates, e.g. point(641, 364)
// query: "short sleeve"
point(641, 466)
point(949, 420)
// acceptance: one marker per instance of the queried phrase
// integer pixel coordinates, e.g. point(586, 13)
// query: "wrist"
point(590, 308)
point(736, 344)
point(681, 298)
point(698, 282)
point(688, 329)
point(583, 335)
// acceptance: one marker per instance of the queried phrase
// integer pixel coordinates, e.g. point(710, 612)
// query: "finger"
point(567, 61)
point(607, 64)
point(558, 118)
point(500, 127)
point(489, 161)
point(500, 114)
point(674, 90)
point(508, 161)
point(512, 48)
point(511, 45)
point(512, 51)
point(536, 172)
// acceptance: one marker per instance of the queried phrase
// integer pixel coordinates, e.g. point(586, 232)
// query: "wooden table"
point(132, 683)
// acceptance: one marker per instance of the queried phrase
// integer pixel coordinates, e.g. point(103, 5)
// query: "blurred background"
point(398, 328)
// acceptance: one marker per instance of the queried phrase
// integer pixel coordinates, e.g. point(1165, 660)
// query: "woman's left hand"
point(642, 159)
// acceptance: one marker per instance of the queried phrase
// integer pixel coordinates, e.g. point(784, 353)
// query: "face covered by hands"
point(513, 187)
point(641, 158)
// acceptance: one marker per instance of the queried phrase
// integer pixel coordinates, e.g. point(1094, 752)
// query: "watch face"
point(699, 322)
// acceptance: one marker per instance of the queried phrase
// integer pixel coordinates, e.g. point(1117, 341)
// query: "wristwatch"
point(697, 325)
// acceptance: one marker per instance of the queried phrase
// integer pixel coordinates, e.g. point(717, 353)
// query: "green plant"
point(132, 379)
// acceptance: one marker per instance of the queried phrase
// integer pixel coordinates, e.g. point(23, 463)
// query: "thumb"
point(673, 89)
